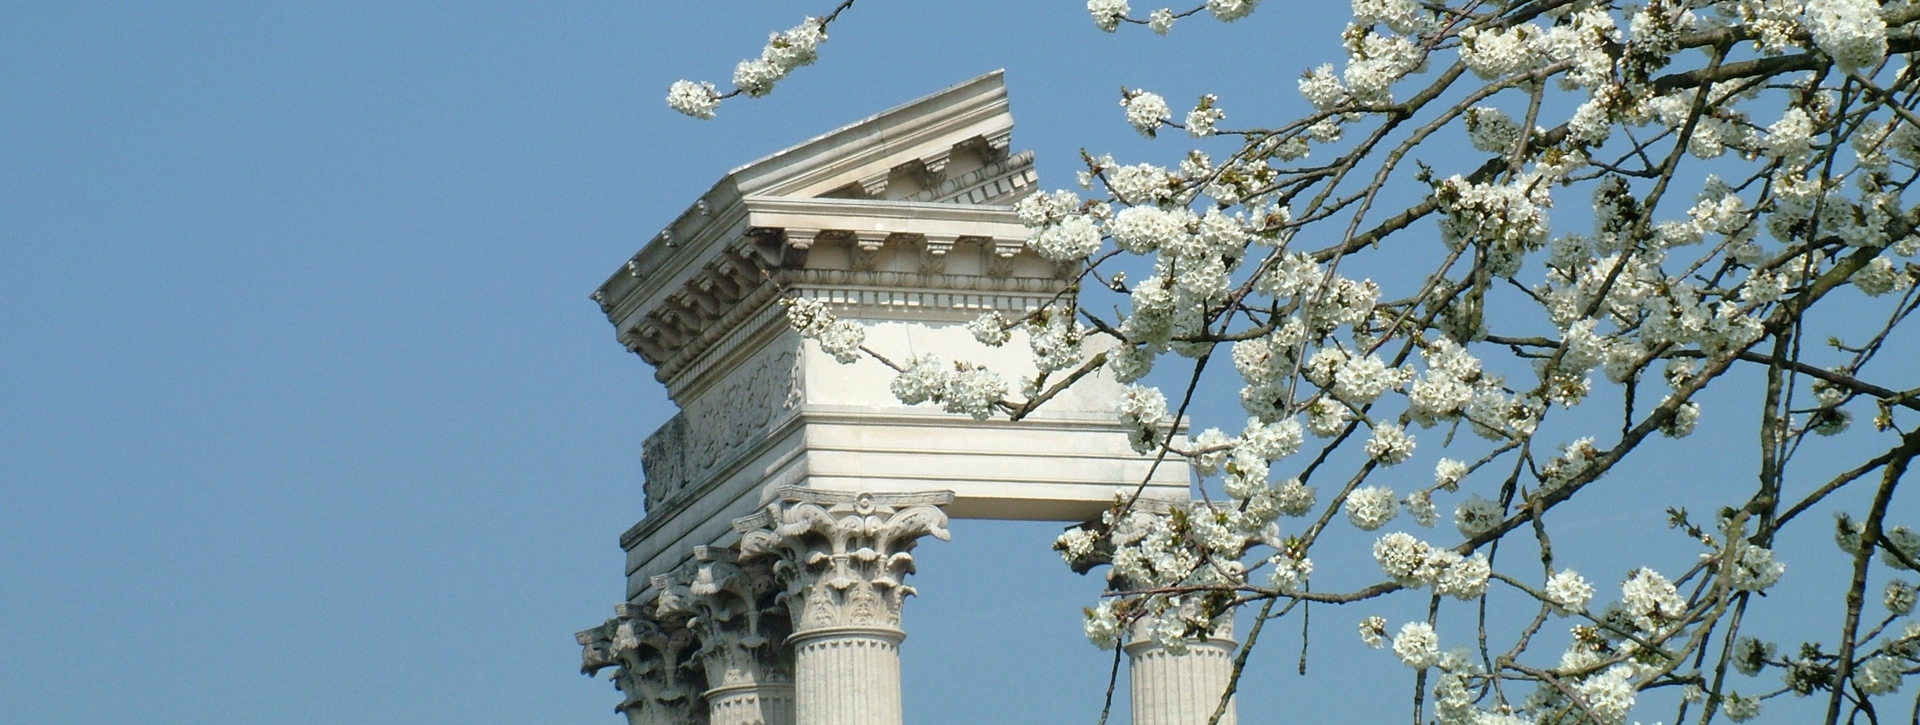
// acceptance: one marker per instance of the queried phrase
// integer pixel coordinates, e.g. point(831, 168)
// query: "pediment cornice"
point(881, 206)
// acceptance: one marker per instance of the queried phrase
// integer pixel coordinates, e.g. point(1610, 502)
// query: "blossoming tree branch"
point(1747, 162)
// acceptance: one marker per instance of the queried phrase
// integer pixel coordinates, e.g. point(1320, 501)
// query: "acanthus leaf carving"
point(843, 556)
point(650, 659)
point(739, 616)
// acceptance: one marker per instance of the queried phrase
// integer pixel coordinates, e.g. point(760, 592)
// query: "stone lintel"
point(1051, 467)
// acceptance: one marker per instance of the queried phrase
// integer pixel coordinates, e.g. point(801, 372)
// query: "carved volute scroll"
point(844, 557)
point(651, 659)
point(596, 648)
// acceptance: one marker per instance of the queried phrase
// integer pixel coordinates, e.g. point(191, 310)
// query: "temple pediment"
point(902, 222)
point(767, 580)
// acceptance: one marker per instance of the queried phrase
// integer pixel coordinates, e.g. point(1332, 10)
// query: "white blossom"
point(1075, 545)
point(1294, 498)
point(1390, 444)
point(694, 99)
point(1108, 13)
point(1212, 448)
point(1139, 183)
point(755, 76)
point(1129, 362)
point(1203, 117)
point(1610, 694)
point(1463, 578)
point(1143, 409)
point(1403, 558)
point(1055, 337)
point(1323, 88)
point(924, 379)
point(1850, 31)
point(1417, 646)
point(786, 51)
point(1879, 277)
point(797, 47)
point(1144, 229)
point(1752, 568)
point(1326, 417)
point(1371, 507)
point(1231, 10)
point(991, 329)
point(1102, 626)
point(1363, 379)
point(1583, 40)
point(1373, 631)
point(1568, 592)
point(840, 338)
point(973, 390)
point(1494, 52)
point(1685, 417)
point(1904, 540)
point(1476, 516)
point(1739, 708)
point(1377, 60)
point(1491, 130)
point(1751, 654)
point(1289, 574)
point(1146, 111)
point(1161, 21)
point(1271, 441)
point(1651, 600)
point(1074, 238)
point(1790, 138)
point(1879, 675)
point(1420, 507)
point(1057, 228)
point(1899, 598)
point(1401, 16)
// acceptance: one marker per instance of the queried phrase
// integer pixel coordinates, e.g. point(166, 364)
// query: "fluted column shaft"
point(1180, 689)
point(847, 675)
point(753, 704)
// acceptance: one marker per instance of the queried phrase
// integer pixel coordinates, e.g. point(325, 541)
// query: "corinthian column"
point(1181, 687)
point(648, 654)
point(737, 613)
point(844, 558)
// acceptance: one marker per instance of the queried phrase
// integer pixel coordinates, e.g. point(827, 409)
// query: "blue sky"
point(309, 416)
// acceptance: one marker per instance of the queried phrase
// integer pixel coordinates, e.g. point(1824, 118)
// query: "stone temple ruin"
point(765, 583)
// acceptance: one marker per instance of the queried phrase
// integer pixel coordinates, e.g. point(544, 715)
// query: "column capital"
point(737, 612)
point(843, 555)
point(648, 655)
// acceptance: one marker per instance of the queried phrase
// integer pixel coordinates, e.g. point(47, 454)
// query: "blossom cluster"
point(1728, 198)
point(755, 77)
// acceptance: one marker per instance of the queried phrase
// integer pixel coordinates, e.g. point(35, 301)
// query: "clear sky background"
point(308, 418)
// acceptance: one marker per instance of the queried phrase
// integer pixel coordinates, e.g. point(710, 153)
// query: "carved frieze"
point(715, 426)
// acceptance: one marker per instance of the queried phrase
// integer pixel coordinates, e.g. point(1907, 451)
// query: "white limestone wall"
point(866, 382)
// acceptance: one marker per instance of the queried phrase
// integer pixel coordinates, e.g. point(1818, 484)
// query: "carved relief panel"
point(713, 428)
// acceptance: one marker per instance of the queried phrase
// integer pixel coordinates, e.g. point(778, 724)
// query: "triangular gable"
point(934, 149)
